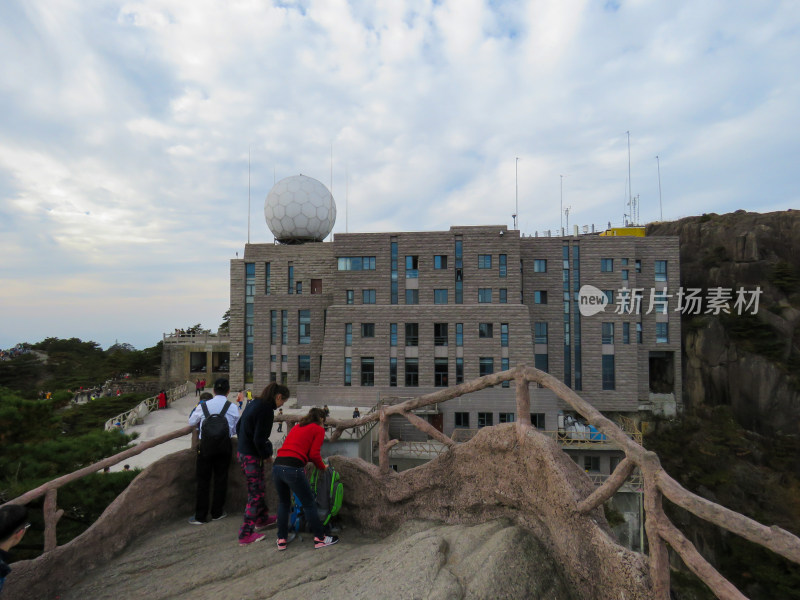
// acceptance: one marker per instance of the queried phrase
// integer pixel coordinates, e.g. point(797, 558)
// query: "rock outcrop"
point(493, 518)
point(752, 363)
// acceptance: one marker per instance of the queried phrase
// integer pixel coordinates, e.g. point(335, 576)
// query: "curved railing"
point(656, 482)
point(135, 415)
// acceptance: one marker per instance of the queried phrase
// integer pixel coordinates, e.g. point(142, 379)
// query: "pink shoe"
point(265, 523)
point(282, 543)
point(251, 538)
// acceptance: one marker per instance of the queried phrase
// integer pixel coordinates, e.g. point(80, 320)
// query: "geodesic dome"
point(299, 209)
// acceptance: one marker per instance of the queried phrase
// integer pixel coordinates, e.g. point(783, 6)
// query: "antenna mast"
point(630, 183)
point(516, 191)
point(248, 194)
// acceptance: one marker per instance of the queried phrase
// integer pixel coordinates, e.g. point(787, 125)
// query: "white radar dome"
point(299, 209)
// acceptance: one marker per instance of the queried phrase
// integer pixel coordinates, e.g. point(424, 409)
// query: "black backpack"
point(215, 435)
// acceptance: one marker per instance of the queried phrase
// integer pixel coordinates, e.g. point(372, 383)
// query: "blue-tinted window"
point(503, 259)
point(368, 296)
point(367, 371)
point(440, 296)
point(412, 296)
point(484, 261)
point(540, 265)
point(304, 368)
point(486, 365)
point(540, 333)
point(606, 265)
point(503, 295)
point(485, 330)
point(504, 335)
point(485, 295)
point(393, 334)
point(609, 381)
point(540, 297)
point(662, 333)
point(356, 263)
point(368, 330)
point(304, 326)
point(661, 270)
point(348, 334)
point(412, 267)
point(440, 261)
point(348, 370)
point(459, 334)
point(412, 334)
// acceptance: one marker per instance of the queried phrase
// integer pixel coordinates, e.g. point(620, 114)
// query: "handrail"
point(131, 417)
point(50, 489)
point(655, 481)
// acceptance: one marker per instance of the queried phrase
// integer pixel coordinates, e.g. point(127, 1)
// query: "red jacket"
point(304, 443)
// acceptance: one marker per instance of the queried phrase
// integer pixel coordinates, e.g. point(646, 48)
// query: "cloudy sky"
point(125, 129)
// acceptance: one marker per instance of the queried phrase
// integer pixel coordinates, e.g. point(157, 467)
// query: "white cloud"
point(126, 129)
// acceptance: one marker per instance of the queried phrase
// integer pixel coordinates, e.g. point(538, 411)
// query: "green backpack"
point(329, 491)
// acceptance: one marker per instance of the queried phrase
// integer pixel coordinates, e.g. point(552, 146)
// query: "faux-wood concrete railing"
point(657, 483)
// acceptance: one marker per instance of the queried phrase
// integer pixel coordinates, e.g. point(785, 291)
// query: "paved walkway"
point(164, 421)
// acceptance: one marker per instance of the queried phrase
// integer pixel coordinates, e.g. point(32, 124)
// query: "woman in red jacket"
point(302, 445)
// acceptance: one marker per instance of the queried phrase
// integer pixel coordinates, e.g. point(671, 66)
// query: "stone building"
point(384, 316)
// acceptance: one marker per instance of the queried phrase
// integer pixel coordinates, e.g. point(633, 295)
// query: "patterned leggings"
point(256, 510)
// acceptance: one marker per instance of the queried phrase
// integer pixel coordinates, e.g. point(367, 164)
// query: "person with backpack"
point(217, 420)
point(302, 445)
point(254, 447)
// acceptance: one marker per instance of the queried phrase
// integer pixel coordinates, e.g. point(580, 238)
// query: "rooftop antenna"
point(660, 209)
point(630, 183)
point(566, 214)
point(516, 191)
point(248, 194)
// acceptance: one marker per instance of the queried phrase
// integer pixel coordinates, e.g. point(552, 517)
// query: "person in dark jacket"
point(13, 525)
point(254, 447)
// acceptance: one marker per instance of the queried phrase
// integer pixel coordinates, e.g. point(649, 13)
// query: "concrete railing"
point(137, 414)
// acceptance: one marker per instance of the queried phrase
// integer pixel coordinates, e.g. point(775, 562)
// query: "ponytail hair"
point(315, 415)
point(272, 390)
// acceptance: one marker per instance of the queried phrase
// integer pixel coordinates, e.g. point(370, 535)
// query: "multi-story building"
point(372, 316)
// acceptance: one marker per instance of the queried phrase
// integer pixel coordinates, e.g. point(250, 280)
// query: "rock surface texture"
point(751, 365)
point(492, 518)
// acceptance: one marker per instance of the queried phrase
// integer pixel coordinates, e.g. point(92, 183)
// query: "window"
point(440, 296)
point(304, 326)
point(541, 362)
point(348, 334)
point(485, 419)
point(291, 278)
point(504, 366)
point(304, 368)
point(459, 334)
point(503, 259)
point(298, 288)
point(273, 326)
point(367, 371)
point(484, 261)
point(624, 274)
point(638, 264)
point(486, 365)
point(412, 372)
point(661, 270)
point(440, 261)
point(356, 263)
point(662, 333)
point(440, 334)
point(591, 463)
point(485, 295)
point(393, 334)
point(394, 270)
point(412, 334)
point(393, 372)
point(626, 333)
point(348, 370)
point(284, 327)
point(606, 265)
point(485, 330)
point(608, 372)
point(349, 296)
point(459, 370)
point(540, 265)
point(368, 330)
point(440, 368)
point(462, 420)
point(412, 267)
point(540, 297)
point(608, 333)
point(537, 420)
point(412, 296)
point(639, 333)
point(268, 278)
point(504, 335)
point(624, 262)
point(540, 333)
point(507, 418)
point(609, 296)
point(503, 296)
point(368, 296)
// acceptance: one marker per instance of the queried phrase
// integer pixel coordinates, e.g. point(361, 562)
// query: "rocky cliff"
point(750, 362)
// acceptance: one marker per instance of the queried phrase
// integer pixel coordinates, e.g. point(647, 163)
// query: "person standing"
point(280, 423)
point(254, 448)
point(13, 525)
point(213, 463)
point(302, 445)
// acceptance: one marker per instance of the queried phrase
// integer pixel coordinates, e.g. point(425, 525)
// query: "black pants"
point(216, 466)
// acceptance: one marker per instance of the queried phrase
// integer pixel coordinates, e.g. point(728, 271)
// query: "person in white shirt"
point(213, 465)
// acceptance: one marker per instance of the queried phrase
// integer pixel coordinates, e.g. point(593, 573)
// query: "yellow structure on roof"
point(624, 231)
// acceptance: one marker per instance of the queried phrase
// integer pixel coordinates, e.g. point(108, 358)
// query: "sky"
point(126, 130)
